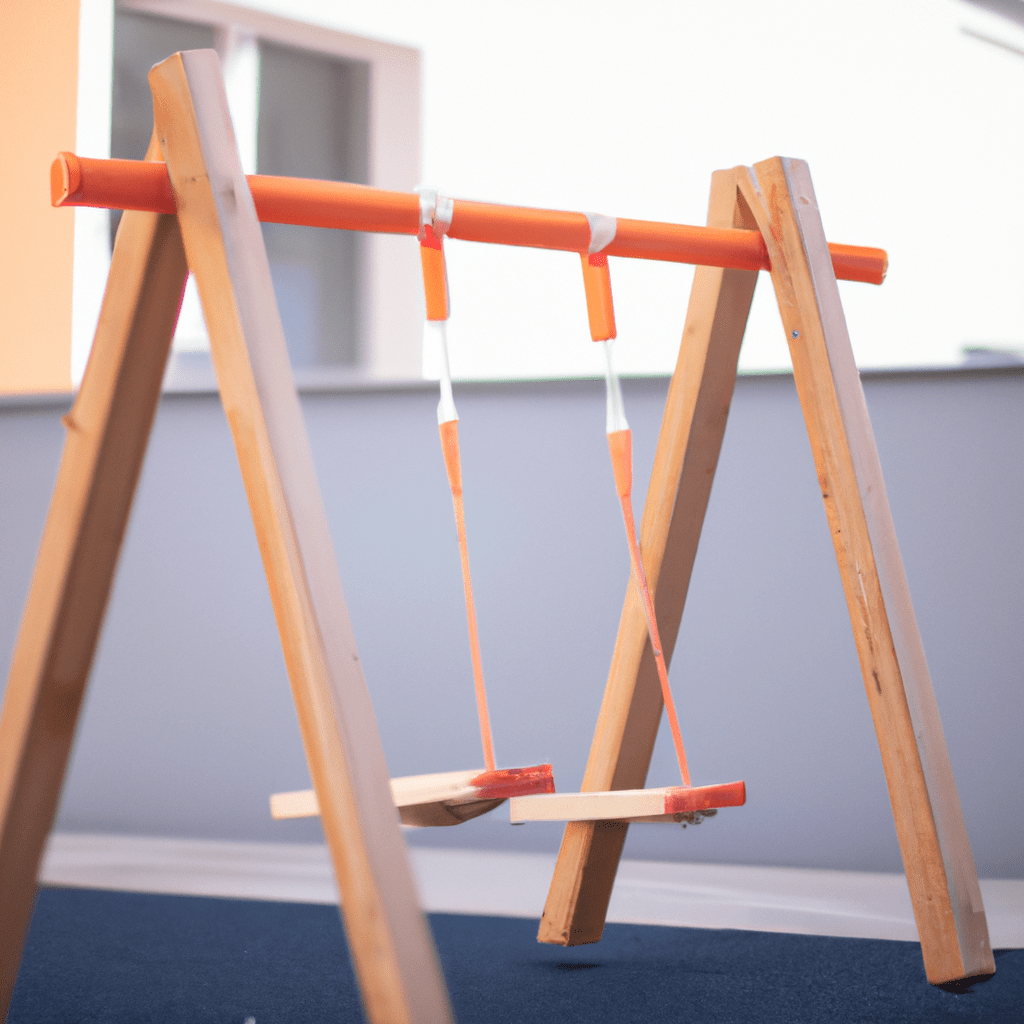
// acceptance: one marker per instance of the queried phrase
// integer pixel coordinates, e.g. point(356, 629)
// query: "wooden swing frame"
point(776, 198)
point(760, 218)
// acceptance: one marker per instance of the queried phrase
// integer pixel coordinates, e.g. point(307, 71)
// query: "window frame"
point(390, 306)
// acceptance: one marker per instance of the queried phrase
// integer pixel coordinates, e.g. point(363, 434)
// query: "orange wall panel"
point(38, 93)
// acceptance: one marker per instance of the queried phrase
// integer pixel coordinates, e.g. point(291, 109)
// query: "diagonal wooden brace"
point(677, 497)
point(107, 432)
point(936, 852)
point(390, 943)
point(776, 196)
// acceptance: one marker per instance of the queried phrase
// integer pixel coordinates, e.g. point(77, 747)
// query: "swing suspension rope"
point(601, 315)
point(435, 217)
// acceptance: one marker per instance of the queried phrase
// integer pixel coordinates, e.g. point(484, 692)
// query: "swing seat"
point(680, 804)
point(444, 798)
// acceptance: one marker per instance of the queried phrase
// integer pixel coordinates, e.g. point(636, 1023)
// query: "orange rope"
point(450, 446)
point(620, 445)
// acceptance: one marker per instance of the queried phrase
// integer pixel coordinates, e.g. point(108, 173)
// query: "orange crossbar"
point(138, 185)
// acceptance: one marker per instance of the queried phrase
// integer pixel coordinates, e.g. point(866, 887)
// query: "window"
point(312, 124)
point(305, 102)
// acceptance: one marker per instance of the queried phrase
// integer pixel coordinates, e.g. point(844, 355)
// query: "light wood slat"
point(677, 497)
point(681, 804)
point(392, 950)
point(929, 823)
point(107, 432)
point(423, 801)
point(438, 799)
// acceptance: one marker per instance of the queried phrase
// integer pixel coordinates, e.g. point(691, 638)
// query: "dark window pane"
point(140, 41)
point(313, 124)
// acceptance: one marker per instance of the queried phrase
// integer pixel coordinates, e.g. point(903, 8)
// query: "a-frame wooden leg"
point(108, 429)
point(936, 852)
point(392, 950)
point(677, 497)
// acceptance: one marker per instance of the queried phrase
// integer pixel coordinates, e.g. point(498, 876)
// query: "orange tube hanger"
point(687, 803)
point(142, 185)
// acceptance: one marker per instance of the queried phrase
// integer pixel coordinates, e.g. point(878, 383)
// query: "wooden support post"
point(392, 950)
point(684, 467)
point(936, 852)
point(108, 429)
point(777, 197)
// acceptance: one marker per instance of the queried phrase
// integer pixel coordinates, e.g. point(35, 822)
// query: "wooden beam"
point(392, 951)
point(677, 498)
point(107, 431)
point(936, 852)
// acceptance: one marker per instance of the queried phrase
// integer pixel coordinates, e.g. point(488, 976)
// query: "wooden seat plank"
point(438, 799)
point(665, 804)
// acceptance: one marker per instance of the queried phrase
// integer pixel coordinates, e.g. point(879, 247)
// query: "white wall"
point(911, 129)
point(188, 725)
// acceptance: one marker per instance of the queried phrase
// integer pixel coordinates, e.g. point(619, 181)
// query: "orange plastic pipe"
point(138, 185)
point(597, 286)
point(435, 275)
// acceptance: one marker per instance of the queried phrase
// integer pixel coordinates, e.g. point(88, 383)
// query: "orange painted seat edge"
point(509, 782)
point(684, 799)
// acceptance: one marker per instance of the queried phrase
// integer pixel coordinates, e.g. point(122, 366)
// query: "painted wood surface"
point(107, 432)
point(680, 804)
point(929, 824)
point(440, 798)
point(677, 497)
point(389, 941)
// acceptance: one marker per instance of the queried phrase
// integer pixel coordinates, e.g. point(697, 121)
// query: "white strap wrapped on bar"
point(444, 207)
point(602, 231)
point(428, 200)
point(436, 209)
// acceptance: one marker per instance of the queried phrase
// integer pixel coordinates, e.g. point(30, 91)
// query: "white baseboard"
point(811, 902)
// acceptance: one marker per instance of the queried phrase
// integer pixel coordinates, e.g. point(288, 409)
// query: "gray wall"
point(188, 725)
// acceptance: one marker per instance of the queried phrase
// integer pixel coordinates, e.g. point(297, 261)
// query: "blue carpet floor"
point(127, 957)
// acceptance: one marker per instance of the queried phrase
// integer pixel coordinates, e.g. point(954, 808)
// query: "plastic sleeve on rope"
point(435, 342)
point(616, 409)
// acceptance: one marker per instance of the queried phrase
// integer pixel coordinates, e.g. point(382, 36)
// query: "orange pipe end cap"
point(65, 178)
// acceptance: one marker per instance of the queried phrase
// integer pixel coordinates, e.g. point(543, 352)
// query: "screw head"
point(795, 334)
